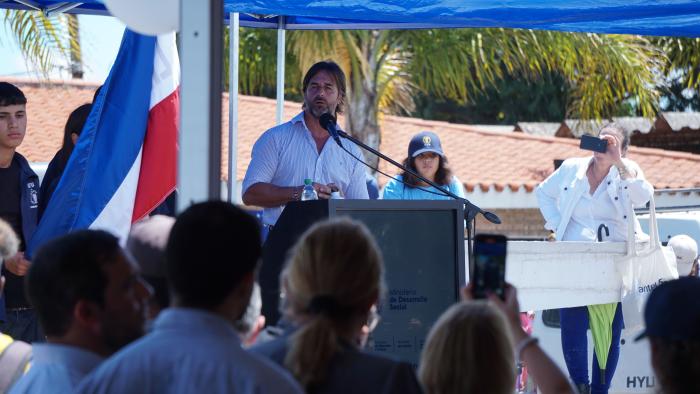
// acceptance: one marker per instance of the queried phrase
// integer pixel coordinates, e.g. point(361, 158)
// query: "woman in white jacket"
point(576, 201)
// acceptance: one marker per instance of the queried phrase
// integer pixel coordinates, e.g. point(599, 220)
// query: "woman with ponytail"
point(331, 284)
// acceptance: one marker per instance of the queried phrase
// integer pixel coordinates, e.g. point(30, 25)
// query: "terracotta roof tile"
point(480, 158)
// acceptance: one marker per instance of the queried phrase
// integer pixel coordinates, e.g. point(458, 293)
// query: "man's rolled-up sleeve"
point(263, 162)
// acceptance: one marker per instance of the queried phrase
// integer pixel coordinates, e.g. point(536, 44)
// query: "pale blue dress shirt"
point(286, 155)
point(56, 369)
point(395, 190)
point(188, 351)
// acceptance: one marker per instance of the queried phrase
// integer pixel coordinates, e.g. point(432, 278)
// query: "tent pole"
point(234, 39)
point(199, 158)
point(280, 68)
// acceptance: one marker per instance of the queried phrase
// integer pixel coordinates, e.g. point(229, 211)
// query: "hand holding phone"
point(489, 265)
point(595, 144)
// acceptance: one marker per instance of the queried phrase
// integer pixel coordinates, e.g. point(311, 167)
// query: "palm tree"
point(387, 68)
point(46, 41)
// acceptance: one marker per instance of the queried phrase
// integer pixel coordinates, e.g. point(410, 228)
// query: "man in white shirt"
point(286, 155)
point(211, 258)
point(90, 302)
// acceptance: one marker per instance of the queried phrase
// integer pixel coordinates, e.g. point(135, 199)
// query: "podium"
point(422, 243)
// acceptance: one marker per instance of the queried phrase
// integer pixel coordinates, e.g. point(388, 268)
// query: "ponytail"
point(310, 367)
point(333, 276)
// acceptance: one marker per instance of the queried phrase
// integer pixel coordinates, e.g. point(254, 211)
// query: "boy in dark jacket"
point(19, 204)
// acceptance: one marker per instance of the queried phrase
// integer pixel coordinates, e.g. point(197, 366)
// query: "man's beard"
point(316, 110)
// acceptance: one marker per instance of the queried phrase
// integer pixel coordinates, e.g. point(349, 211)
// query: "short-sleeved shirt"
point(395, 190)
point(287, 154)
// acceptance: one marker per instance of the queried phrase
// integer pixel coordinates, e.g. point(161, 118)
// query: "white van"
point(634, 373)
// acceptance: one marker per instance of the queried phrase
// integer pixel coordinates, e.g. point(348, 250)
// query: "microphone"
point(491, 217)
point(327, 121)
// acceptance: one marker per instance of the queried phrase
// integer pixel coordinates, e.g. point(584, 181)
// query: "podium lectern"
point(422, 243)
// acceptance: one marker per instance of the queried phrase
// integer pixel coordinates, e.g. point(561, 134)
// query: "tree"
point(46, 41)
point(509, 101)
point(681, 72)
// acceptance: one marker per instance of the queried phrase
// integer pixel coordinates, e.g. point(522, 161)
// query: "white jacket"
point(561, 191)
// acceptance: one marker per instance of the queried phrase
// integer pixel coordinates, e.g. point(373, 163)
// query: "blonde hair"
point(333, 277)
point(468, 350)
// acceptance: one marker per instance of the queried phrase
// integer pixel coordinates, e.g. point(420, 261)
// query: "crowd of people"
point(178, 308)
point(93, 302)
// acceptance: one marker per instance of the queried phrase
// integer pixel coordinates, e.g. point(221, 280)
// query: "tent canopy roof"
point(645, 17)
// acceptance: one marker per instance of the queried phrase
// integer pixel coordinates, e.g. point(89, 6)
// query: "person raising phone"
point(580, 197)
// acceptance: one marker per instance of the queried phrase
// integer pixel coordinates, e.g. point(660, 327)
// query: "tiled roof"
point(512, 160)
point(479, 158)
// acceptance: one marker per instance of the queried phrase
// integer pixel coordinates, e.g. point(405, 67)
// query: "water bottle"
point(308, 193)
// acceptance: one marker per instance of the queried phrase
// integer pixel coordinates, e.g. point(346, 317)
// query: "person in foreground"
point(90, 302)
point(578, 201)
point(331, 284)
point(425, 157)
point(672, 318)
point(211, 257)
point(471, 349)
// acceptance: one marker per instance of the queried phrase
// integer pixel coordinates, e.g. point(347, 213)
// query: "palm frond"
point(43, 40)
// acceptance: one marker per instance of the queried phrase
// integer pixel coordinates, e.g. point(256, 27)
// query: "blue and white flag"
point(124, 163)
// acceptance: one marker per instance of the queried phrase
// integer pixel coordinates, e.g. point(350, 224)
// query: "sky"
point(100, 37)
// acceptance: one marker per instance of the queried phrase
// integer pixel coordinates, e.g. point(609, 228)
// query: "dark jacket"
point(353, 370)
point(29, 184)
point(29, 205)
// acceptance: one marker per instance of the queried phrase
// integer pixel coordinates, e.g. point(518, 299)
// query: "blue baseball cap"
point(425, 141)
point(673, 311)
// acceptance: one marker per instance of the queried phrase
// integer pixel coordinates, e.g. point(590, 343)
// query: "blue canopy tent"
point(199, 179)
point(645, 17)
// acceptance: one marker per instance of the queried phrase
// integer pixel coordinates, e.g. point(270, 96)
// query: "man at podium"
point(285, 155)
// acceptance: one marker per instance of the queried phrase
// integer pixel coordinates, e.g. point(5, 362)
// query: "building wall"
point(684, 140)
point(515, 223)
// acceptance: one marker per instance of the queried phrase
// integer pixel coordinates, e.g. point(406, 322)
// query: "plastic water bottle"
point(309, 193)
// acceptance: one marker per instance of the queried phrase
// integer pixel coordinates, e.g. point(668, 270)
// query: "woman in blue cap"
point(425, 156)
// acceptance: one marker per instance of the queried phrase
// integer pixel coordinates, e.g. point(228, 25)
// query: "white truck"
point(634, 373)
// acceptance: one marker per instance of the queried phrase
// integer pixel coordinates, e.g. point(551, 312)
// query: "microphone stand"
point(470, 210)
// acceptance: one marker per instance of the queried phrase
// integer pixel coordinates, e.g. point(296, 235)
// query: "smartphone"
point(589, 142)
point(489, 265)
